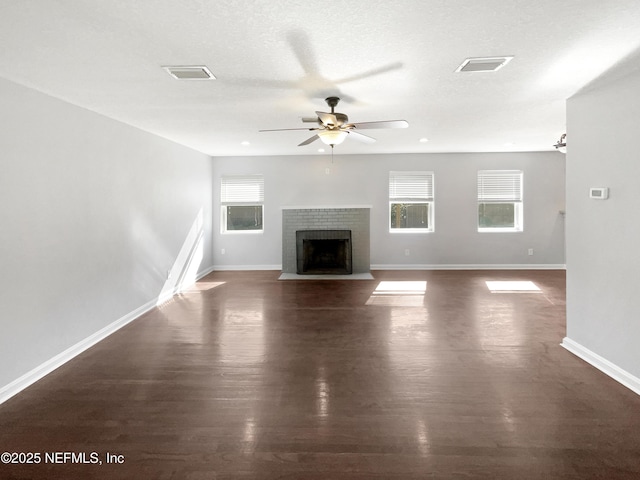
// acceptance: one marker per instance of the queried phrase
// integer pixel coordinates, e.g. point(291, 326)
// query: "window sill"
point(410, 230)
point(500, 230)
point(242, 232)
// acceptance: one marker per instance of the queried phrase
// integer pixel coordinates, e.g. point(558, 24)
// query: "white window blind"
point(411, 185)
point(499, 186)
point(242, 189)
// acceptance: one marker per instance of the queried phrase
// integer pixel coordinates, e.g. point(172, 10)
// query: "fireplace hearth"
point(323, 252)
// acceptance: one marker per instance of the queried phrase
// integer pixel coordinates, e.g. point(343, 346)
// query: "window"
point(500, 201)
point(242, 198)
point(411, 201)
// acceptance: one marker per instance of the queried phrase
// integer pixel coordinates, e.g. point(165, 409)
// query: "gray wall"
point(363, 180)
point(93, 214)
point(603, 263)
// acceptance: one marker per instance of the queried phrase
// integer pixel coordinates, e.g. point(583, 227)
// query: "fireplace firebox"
point(323, 252)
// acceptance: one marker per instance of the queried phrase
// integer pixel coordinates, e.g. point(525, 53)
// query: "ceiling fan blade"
point(287, 129)
point(327, 118)
point(309, 140)
point(381, 124)
point(360, 137)
point(371, 73)
point(302, 49)
point(309, 119)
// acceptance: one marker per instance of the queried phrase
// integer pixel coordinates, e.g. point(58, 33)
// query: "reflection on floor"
point(407, 376)
point(513, 286)
point(400, 293)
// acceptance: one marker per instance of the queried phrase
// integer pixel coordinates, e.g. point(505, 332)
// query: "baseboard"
point(50, 365)
point(612, 370)
point(474, 266)
point(166, 296)
point(223, 268)
point(203, 274)
point(405, 266)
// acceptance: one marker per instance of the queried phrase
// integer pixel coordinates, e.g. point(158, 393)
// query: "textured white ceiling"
point(276, 62)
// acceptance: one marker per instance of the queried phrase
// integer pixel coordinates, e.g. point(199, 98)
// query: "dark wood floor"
point(248, 377)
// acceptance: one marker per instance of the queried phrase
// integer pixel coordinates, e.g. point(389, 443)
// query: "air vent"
point(195, 72)
point(484, 64)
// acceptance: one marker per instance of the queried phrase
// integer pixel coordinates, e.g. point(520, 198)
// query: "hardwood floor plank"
point(411, 375)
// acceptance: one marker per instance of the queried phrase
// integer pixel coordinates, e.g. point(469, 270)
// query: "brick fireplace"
point(341, 235)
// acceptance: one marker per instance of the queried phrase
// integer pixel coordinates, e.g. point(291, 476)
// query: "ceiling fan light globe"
point(332, 137)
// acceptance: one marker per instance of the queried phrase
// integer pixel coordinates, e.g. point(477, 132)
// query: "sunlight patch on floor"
point(399, 293)
point(513, 286)
point(203, 286)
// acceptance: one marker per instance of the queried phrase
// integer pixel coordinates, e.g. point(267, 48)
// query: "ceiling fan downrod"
point(332, 102)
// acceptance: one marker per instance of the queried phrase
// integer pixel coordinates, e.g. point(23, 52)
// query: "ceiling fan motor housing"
point(341, 118)
point(332, 102)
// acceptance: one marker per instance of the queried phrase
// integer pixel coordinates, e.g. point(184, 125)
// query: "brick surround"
point(356, 219)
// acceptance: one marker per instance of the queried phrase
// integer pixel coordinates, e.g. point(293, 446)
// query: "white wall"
point(603, 263)
point(93, 213)
point(363, 180)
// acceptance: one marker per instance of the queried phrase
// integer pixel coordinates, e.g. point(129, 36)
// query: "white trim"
point(39, 372)
point(242, 232)
point(605, 366)
point(410, 231)
point(385, 266)
point(164, 297)
point(223, 268)
point(524, 266)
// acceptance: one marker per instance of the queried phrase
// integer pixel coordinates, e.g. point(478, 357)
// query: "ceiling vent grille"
point(483, 64)
point(192, 72)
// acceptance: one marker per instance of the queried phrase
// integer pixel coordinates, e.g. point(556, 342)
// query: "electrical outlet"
point(530, 252)
point(223, 251)
point(406, 252)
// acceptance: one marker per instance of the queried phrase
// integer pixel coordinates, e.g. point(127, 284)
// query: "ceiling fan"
point(334, 127)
